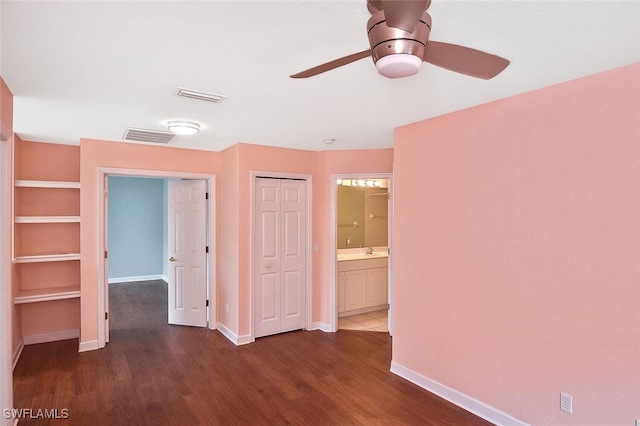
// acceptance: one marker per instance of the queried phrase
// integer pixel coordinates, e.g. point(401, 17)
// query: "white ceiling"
point(90, 69)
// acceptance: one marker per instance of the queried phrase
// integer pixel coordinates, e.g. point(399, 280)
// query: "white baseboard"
point(91, 345)
point(51, 337)
point(236, 340)
point(319, 325)
point(138, 278)
point(244, 340)
point(466, 402)
point(16, 354)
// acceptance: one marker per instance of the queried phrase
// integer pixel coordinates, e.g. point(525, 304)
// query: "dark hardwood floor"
point(152, 373)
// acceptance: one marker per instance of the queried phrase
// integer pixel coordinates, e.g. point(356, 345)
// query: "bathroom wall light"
point(360, 182)
point(180, 127)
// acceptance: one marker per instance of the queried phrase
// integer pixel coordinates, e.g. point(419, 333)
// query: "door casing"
point(334, 244)
point(6, 297)
point(308, 272)
point(103, 288)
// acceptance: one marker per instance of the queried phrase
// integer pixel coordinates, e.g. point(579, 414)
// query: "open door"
point(187, 252)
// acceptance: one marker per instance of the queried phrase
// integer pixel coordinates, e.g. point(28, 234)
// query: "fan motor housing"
point(385, 40)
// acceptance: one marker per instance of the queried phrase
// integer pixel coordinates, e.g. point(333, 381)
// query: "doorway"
point(281, 229)
point(209, 236)
point(137, 245)
point(137, 229)
point(151, 220)
point(361, 268)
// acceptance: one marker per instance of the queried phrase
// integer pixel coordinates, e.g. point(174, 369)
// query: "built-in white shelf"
point(46, 184)
point(47, 294)
point(39, 258)
point(47, 219)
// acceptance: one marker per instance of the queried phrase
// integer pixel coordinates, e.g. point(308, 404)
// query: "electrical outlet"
point(566, 402)
point(226, 308)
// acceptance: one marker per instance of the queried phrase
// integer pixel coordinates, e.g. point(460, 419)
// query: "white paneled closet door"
point(280, 225)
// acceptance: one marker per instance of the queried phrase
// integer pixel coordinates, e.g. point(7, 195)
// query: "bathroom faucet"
point(370, 250)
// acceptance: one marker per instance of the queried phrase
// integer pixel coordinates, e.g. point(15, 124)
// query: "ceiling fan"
point(399, 39)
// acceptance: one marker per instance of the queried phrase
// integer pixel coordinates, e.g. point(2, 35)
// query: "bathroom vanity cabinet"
point(362, 285)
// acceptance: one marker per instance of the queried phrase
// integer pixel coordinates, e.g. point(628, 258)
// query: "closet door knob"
point(172, 259)
point(269, 266)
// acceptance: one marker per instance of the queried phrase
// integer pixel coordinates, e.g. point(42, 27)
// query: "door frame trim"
point(103, 287)
point(333, 277)
point(309, 231)
point(7, 354)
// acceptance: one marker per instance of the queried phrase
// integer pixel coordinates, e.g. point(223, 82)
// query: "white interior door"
point(279, 255)
point(187, 252)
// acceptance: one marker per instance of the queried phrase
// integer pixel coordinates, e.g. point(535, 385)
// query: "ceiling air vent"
point(144, 135)
point(202, 96)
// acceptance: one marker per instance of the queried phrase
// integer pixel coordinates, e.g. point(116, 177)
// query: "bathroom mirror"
point(362, 213)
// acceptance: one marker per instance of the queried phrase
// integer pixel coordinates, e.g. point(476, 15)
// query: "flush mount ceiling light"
point(180, 127)
point(398, 65)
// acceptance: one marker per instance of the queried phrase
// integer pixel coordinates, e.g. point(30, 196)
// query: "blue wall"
point(137, 227)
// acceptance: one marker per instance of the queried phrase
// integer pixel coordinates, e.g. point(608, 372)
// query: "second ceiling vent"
point(201, 96)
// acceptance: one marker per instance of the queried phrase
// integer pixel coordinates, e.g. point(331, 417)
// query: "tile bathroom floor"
point(369, 321)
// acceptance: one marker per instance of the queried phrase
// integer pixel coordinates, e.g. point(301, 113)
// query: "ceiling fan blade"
point(333, 64)
point(464, 60)
point(403, 14)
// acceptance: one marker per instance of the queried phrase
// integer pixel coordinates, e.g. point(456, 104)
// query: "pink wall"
point(45, 161)
point(6, 106)
point(50, 317)
point(6, 118)
point(320, 165)
point(336, 163)
point(517, 242)
point(95, 154)
point(233, 168)
point(9, 315)
point(267, 159)
point(228, 239)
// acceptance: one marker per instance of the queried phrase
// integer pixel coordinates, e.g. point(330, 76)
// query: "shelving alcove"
point(46, 241)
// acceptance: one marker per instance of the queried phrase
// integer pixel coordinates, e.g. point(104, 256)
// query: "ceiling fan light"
point(184, 127)
point(398, 65)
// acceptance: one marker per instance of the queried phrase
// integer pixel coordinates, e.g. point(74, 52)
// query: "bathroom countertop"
point(357, 254)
